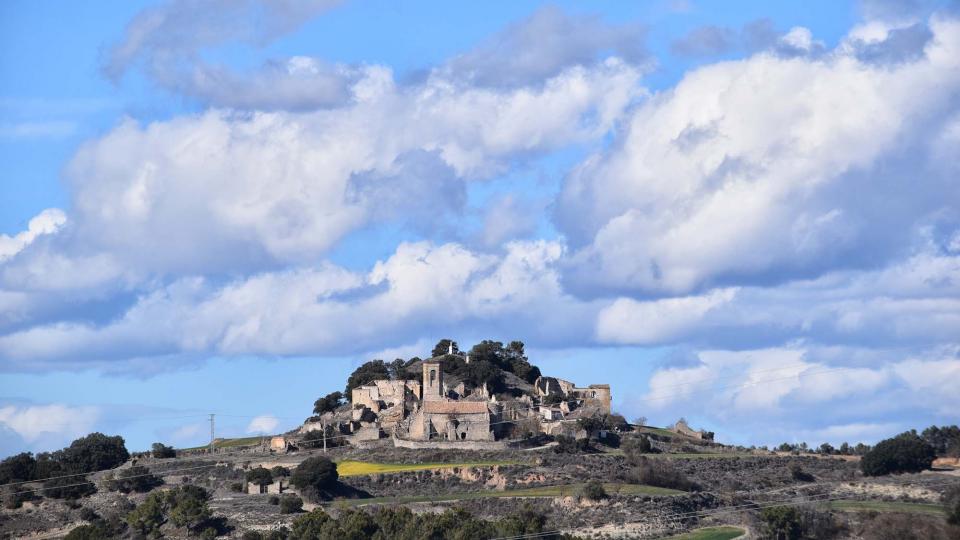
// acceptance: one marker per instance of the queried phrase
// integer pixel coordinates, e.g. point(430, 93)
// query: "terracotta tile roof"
point(454, 407)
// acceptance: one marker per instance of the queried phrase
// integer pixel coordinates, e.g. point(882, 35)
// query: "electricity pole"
point(211, 433)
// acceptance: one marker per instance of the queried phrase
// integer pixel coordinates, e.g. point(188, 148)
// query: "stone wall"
point(450, 445)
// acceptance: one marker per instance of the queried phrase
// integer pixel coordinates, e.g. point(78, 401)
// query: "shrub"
point(90, 532)
point(89, 514)
point(291, 504)
point(660, 473)
point(183, 506)
point(782, 522)
point(70, 488)
point(593, 490)
point(162, 451)
point(952, 500)
point(315, 477)
point(236, 487)
point(797, 473)
point(904, 453)
point(252, 535)
point(259, 476)
point(569, 445)
point(274, 500)
point(633, 447)
point(135, 479)
point(280, 471)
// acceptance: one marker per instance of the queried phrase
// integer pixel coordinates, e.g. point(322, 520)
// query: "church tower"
point(432, 379)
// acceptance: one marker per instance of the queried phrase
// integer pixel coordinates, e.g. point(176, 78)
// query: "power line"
point(94, 482)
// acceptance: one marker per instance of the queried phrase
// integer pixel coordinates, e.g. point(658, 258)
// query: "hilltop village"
point(485, 399)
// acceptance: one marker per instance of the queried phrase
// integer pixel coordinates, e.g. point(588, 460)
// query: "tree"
point(162, 451)
point(782, 522)
point(944, 440)
point(316, 477)
point(18, 468)
point(95, 452)
point(952, 501)
point(845, 449)
point(826, 449)
point(442, 348)
point(398, 370)
point(260, 476)
point(640, 421)
point(593, 490)
point(188, 507)
point(633, 447)
point(366, 373)
point(906, 452)
point(328, 403)
point(280, 471)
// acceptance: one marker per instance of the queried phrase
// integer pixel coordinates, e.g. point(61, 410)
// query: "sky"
point(743, 213)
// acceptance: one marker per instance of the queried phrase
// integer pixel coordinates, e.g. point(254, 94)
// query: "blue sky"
point(719, 208)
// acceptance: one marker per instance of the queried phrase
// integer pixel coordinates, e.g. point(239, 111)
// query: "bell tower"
point(432, 379)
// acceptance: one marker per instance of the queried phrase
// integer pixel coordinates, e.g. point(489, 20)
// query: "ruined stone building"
point(433, 410)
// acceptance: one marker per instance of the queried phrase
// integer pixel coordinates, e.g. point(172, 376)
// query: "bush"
point(183, 506)
point(952, 501)
point(236, 487)
point(135, 479)
point(593, 490)
point(162, 451)
point(280, 471)
point(259, 476)
point(782, 523)
point(660, 473)
point(316, 477)
point(797, 473)
point(89, 514)
point(274, 500)
point(90, 532)
point(569, 445)
point(70, 488)
point(904, 453)
point(633, 447)
point(252, 535)
point(291, 504)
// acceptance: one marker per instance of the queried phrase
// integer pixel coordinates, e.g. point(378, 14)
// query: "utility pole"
point(211, 433)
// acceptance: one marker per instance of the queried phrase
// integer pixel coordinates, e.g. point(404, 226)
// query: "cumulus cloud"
point(167, 40)
point(761, 170)
point(545, 44)
point(46, 222)
point(313, 310)
point(264, 424)
point(48, 425)
point(225, 191)
point(778, 387)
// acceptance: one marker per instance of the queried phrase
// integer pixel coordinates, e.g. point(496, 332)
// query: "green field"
point(230, 443)
point(358, 468)
point(711, 533)
point(545, 491)
point(885, 506)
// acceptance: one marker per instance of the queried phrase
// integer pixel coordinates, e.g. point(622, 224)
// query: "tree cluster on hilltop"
point(489, 360)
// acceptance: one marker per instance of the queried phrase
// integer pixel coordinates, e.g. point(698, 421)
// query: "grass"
point(359, 468)
point(230, 443)
point(711, 533)
point(886, 506)
point(544, 491)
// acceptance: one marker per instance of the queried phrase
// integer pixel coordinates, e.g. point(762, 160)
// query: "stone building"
point(432, 411)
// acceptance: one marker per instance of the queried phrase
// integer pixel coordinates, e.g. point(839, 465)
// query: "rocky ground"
point(729, 488)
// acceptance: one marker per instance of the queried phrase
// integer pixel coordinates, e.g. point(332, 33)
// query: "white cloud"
point(47, 222)
point(762, 170)
point(656, 321)
point(222, 191)
point(33, 422)
point(543, 45)
point(263, 424)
